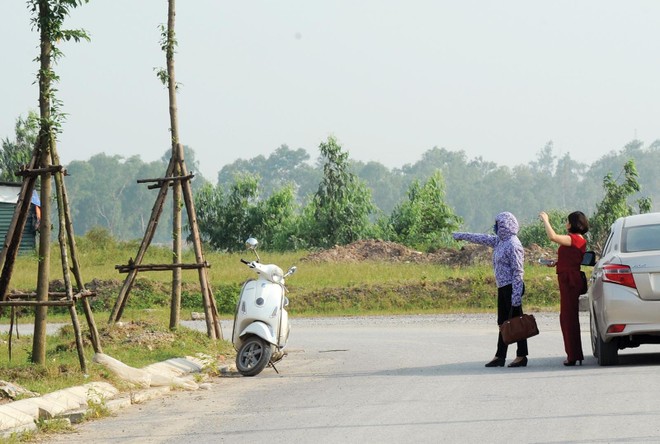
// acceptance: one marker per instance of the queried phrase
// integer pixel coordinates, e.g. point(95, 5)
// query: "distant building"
point(9, 192)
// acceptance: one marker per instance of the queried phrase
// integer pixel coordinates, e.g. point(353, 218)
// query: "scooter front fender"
point(260, 329)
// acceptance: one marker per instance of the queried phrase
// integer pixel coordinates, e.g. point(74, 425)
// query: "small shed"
point(9, 192)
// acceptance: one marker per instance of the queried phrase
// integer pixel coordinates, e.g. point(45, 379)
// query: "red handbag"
point(518, 328)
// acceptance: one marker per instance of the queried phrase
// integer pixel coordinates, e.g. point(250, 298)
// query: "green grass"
point(337, 288)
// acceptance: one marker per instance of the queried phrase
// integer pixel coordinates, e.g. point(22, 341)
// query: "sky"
point(390, 79)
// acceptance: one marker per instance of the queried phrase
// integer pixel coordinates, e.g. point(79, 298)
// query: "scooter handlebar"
point(250, 264)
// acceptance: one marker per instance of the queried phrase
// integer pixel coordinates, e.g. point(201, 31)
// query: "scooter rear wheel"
point(253, 356)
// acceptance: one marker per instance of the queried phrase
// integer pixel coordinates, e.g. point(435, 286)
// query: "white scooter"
point(261, 323)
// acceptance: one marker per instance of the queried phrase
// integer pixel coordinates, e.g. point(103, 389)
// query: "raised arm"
point(477, 238)
point(561, 239)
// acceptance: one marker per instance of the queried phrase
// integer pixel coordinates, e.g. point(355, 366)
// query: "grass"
point(337, 288)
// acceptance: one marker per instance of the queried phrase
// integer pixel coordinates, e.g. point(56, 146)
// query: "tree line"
point(290, 202)
point(420, 204)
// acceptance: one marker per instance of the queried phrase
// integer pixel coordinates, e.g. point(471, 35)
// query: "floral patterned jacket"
point(508, 253)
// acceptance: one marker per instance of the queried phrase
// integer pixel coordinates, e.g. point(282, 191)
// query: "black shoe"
point(568, 363)
point(497, 362)
point(521, 363)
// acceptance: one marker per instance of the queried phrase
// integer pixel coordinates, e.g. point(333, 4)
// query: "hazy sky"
point(389, 79)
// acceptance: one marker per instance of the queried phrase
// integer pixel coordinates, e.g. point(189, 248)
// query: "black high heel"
point(497, 362)
point(521, 363)
point(568, 363)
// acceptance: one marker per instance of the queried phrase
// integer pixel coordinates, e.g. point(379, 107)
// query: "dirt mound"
point(378, 250)
point(140, 333)
point(367, 250)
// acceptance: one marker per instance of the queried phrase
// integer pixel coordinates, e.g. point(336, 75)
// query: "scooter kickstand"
point(274, 368)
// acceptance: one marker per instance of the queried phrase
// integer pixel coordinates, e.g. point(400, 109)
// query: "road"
point(407, 379)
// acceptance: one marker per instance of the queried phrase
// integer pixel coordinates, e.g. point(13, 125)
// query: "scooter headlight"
point(273, 273)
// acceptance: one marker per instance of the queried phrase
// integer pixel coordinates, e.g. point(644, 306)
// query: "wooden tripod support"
point(66, 239)
point(176, 172)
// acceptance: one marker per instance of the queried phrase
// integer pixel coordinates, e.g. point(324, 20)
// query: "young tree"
point(275, 219)
point(424, 220)
point(48, 18)
point(342, 205)
point(615, 204)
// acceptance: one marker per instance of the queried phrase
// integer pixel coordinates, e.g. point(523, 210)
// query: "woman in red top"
point(569, 257)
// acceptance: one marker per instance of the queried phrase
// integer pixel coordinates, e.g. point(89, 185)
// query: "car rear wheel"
point(607, 353)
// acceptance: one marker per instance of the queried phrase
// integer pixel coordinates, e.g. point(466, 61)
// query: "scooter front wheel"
point(253, 356)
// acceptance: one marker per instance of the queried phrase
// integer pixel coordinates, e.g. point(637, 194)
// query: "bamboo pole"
point(159, 267)
point(16, 228)
point(210, 309)
point(62, 238)
point(120, 303)
point(87, 309)
point(61, 294)
point(15, 303)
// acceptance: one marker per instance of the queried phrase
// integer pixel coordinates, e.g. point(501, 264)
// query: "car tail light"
point(616, 328)
point(619, 274)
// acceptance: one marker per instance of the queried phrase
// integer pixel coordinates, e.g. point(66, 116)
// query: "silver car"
point(624, 290)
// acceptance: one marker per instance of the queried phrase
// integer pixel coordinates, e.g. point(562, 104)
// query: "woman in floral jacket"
point(508, 259)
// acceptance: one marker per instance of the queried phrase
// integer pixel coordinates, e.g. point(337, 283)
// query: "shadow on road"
point(535, 365)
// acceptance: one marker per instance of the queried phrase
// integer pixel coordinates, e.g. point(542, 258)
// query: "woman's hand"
point(543, 216)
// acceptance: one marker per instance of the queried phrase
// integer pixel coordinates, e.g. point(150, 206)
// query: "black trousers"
point(504, 309)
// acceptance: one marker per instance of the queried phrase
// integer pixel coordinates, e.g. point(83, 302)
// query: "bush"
point(226, 297)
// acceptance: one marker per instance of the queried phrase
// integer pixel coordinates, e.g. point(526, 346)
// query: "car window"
point(641, 238)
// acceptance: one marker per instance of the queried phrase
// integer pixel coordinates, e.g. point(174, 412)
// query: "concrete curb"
point(21, 416)
point(73, 403)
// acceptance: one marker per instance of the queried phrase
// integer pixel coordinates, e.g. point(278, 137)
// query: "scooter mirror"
point(251, 243)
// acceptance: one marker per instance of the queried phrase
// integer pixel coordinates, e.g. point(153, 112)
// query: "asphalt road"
point(407, 379)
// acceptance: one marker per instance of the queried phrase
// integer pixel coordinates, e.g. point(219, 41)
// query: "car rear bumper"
point(624, 307)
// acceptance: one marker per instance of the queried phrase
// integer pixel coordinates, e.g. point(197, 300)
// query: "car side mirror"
point(589, 259)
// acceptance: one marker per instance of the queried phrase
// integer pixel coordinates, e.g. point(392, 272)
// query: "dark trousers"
point(504, 312)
